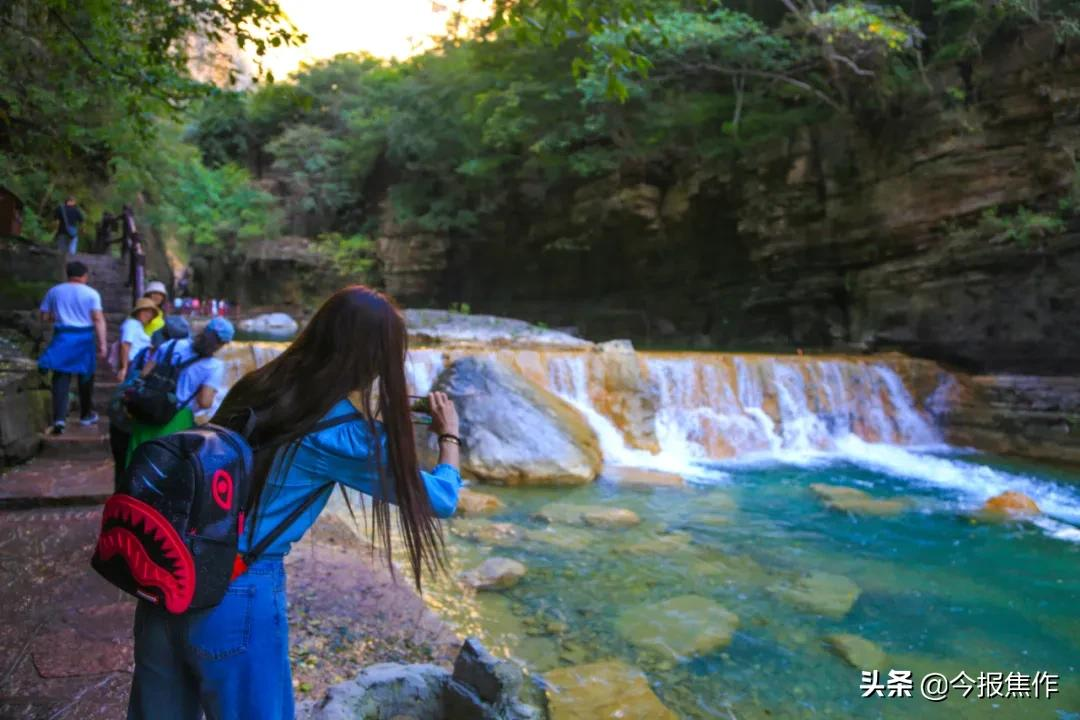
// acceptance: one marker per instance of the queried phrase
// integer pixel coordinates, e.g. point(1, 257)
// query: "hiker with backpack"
point(221, 505)
point(120, 422)
point(68, 218)
point(181, 377)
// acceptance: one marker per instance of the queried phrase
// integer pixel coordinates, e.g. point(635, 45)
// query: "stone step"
point(51, 481)
point(78, 442)
point(103, 392)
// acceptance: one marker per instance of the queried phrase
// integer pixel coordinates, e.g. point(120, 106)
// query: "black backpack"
point(152, 399)
point(170, 534)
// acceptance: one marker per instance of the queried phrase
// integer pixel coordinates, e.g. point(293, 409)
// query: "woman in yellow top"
point(156, 291)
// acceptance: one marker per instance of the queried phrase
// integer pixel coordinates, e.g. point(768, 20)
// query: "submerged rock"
point(641, 477)
point(471, 502)
point(563, 538)
point(594, 515)
point(611, 518)
point(848, 499)
point(497, 573)
point(859, 652)
point(681, 627)
point(1011, 504)
point(609, 689)
point(663, 543)
point(819, 592)
point(485, 532)
point(515, 432)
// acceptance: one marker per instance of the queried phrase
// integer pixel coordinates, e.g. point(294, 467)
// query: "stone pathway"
point(64, 633)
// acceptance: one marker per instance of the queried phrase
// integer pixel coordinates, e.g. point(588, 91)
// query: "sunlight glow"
point(385, 28)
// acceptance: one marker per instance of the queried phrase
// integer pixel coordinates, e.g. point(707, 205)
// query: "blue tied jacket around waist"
point(340, 454)
point(73, 349)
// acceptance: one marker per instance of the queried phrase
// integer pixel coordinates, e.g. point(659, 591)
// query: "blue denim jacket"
point(339, 454)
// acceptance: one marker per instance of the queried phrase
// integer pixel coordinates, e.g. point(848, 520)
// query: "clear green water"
point(940, 592)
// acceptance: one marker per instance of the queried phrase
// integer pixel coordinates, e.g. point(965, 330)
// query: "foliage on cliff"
point(504, 122)
point(85, 88)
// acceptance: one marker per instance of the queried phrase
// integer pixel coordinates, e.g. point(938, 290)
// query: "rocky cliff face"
point(944, 232)
point(289, 272)
point(921, 237)
point(1035, 417)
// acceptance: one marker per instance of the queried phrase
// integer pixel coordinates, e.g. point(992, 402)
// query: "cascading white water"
point(777, 405)
point(709, 406)
point(751, 408)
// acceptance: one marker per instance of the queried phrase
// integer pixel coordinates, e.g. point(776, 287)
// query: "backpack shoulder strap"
point(253, 554)
point(167, 359)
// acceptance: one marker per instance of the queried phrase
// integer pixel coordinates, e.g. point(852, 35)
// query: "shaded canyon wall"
point(916, 235)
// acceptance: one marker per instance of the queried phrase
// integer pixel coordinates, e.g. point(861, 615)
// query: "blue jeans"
point(67, 244)
point(230, 661)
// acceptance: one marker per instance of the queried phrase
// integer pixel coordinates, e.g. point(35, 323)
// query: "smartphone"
point(421, 409)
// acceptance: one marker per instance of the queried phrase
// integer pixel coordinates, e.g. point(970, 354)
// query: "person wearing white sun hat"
point(156, 291)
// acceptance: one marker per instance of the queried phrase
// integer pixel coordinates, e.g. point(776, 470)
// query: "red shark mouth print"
point(128, 525)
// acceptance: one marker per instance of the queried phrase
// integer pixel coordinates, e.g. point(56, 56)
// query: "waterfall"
point(709, 406)
point(875, 411)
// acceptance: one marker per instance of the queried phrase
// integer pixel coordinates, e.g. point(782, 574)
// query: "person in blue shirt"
point(232, 660)
point(201, 378)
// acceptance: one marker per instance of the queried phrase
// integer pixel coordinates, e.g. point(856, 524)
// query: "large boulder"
point(515, 432)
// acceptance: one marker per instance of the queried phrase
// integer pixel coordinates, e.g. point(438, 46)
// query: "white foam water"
point(568, 379)
point(974, 483)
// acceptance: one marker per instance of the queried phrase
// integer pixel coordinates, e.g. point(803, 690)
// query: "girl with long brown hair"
point(332, 408)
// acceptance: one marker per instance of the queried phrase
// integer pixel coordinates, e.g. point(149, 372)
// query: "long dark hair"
point(355, 340)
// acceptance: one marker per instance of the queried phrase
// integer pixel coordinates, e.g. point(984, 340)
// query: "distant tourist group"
point(148, 338)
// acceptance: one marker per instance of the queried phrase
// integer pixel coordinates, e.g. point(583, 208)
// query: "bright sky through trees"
point(386, 28)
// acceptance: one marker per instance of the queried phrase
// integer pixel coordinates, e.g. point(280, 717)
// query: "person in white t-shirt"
point(74, 310)
point(133, 335)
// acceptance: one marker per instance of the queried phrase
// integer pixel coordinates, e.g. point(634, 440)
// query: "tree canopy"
point(501, 121)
